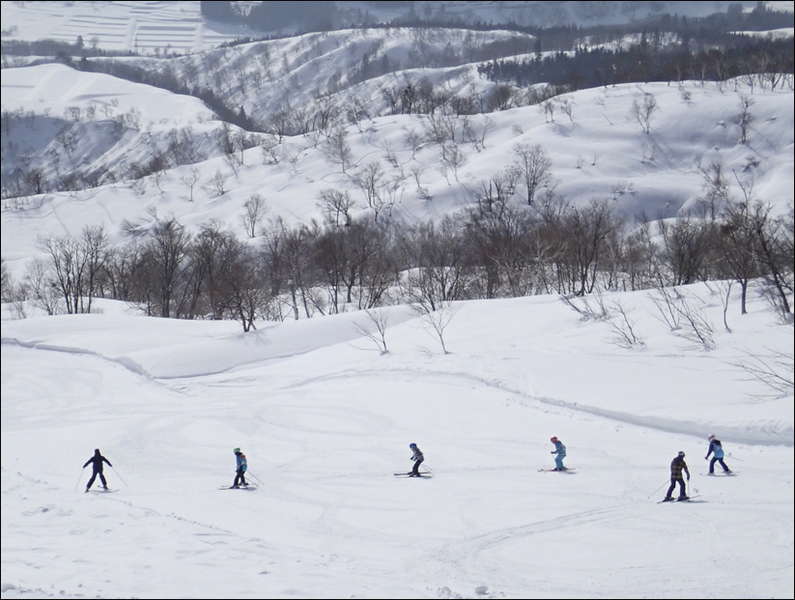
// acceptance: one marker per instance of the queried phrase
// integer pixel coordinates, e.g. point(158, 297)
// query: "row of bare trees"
point(500, 248)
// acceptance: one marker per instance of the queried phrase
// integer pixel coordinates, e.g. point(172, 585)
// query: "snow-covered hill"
point(347, 66)
point(599, 151)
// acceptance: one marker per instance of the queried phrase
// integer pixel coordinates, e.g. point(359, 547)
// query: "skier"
point(97, 461)
point(417, 457)
point(242, 465)
point(560, 450)
point(678, 465)
point(716, 449)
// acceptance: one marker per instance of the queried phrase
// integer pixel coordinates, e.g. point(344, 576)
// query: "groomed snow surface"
point(325, 419)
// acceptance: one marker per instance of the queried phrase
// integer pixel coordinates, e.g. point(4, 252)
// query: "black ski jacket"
point(97, 460)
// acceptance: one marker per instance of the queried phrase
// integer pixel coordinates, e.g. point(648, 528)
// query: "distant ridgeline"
point(649, 60)
point(308, 16)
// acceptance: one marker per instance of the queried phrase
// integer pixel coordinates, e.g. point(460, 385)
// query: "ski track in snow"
point(738, 435)
point(695, 429)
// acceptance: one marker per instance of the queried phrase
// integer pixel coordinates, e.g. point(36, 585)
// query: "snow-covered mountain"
point(598, 152)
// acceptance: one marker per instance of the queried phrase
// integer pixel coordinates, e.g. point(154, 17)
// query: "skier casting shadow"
point(677, 466)
point(716, 449)
point(97, 461)
point(417, 457)
point(560, 450)
point(242, 466)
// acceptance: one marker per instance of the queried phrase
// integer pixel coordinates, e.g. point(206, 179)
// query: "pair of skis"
point(694, 498)
point(249, 487)
point(564, 470)
point(421, 474)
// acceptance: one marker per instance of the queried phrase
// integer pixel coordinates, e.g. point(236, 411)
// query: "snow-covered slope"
point(289, 74)
point(325, 419)
point(61, 126)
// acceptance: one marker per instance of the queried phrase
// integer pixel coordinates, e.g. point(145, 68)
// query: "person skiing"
point(716, 449)
point(417, 457)
point(242, 466)
point(97, 461)
point(678, 465)
point(560, 450)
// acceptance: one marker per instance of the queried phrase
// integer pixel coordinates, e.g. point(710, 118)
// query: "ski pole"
point(255, 477)
point(657, 490)
point(734, 458)
point(80, 477)
point(120, 477)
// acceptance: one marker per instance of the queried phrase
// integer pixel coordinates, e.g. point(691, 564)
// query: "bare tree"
point(642, 112)
point(775, 372)
point(379, 319)
point(337, 150)
point(76, 264)
point(686, 246)
point(255, 210)
point(35, 180)
point(437, 319)
point(774, 251)
point(716, 186)
point(380, 192)
point(548, 107)
point(242, 284)
point(279, 124)
point(624, 329)
point(165, 254)
point(501, 98)
point(535, 165)
point(43, 288)
point(737, 240)
point(745, 118)
point(684, 319)
point(567, 107)
point(336, 206)
point(190, 180)
point(216, 184)
point(435, 259)
point(7, 288)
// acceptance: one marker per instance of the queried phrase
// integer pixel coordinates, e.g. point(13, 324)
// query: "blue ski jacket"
point(715, 448)
point(242, 464)
point(560, 449)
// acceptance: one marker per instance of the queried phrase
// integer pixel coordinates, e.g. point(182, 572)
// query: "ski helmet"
point(236, 450)
point(412, 445)
point(711, 437)
point(553, 439)
point(681, 454)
